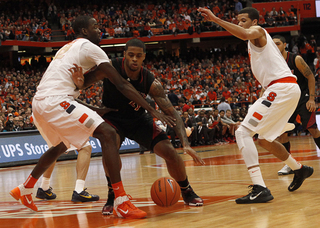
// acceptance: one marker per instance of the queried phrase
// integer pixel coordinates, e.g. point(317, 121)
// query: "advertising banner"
point(20, 148)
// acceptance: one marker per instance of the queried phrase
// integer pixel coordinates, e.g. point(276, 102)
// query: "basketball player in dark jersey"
point(133, 122)
point(306, 106)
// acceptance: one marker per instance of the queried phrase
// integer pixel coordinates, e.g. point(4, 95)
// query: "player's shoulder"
point(257, 27)
point(117, 62)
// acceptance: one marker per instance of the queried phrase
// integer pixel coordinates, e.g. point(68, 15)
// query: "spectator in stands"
point(223, 105)
point(182, 104)
point(9, 124)
point(270, 21)
point(173, 97)
point(192, 124)
point(237, 6)
point(70, 35)
point(202, 122)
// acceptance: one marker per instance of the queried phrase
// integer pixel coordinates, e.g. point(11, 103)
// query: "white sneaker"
point(286, 170)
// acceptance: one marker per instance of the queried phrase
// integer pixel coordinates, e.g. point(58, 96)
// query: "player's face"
point(93, 31)
point(134, 57)
point(245, 21)
point(280, 45)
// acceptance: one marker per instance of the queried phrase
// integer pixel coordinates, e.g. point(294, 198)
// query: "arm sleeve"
point(91, 54)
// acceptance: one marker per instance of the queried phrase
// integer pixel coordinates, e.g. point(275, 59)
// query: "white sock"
point(292, 163)
point(45, 183)
point(256, 176)
point(79, 186)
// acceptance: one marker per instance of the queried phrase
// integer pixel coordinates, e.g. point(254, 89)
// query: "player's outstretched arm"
point(254, 32)
point(306, 71)
point(157, 93)
point(106, 70)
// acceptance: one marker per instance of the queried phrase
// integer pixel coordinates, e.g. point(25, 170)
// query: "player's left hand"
point(311, 106)
point(207, 14)
point(196, 158)
point(77, 76)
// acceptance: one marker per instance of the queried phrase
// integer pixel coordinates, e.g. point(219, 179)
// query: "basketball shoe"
point(83, 196)
point(123, 208)
point(257, 194)
point(191, 198)
point(108, 207)
point(24, 195)
point(299, 176)
point(286, 170)
point(45, 195)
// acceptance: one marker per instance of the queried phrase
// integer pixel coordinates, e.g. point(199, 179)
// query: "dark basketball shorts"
point(142, 129)
point(308, 119)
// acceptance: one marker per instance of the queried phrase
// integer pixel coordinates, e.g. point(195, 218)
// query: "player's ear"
point(84, 31)
point(144, 56)
point(124, 53)
point(255, 22)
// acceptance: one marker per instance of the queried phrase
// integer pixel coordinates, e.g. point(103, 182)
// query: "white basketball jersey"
point(267, 63)
point(57, 79)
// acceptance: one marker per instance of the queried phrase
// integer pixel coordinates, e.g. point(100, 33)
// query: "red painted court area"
point(86, 215)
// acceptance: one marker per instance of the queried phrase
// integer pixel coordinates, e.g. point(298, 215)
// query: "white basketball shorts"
point(269, 115)
point(62, 119)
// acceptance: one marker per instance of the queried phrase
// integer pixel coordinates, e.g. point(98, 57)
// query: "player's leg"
point(110, 155)
point(259, 193)
point(24, 191)
point(316, 135)
point(284, 140)
point(83, 162)
point(301, 171)
point(45, 191)
point(177, 170)
point(108, 207)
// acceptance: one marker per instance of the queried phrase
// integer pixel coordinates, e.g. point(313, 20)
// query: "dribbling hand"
point(196, 158)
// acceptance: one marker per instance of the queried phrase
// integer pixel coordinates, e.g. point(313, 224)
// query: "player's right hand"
point(165, 119)
point(77, 76)
point(104, 110)
point(207, 14)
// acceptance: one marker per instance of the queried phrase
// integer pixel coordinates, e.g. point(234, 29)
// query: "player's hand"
point(164, 118)
point(77, 76)
point(207, 14)
point(311, 106)
point(104, 110)
point(196, 158)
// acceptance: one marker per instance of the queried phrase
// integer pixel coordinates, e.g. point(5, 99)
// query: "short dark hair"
point(135, 43)
point(253, 13)
point(80, 23)
point(222, 99)
point(283, 40)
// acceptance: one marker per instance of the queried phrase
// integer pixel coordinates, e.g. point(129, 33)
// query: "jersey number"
point(135, 106)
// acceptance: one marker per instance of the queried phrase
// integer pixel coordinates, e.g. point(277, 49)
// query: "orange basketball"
point(165, 192)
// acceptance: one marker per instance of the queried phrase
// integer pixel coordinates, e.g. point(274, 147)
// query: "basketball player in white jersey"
point(64, 121)
point(269, 115)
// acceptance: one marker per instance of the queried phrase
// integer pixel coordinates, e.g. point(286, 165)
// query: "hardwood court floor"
point(219, 183)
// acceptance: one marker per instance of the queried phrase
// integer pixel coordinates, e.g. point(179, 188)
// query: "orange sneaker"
point(24, 195)
point(123, 208)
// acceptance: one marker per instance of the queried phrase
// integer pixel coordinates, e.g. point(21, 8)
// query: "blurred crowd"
point(212, 90)
point(34, 20)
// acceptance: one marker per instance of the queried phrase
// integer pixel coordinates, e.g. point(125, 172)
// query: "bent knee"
point(105, 132)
